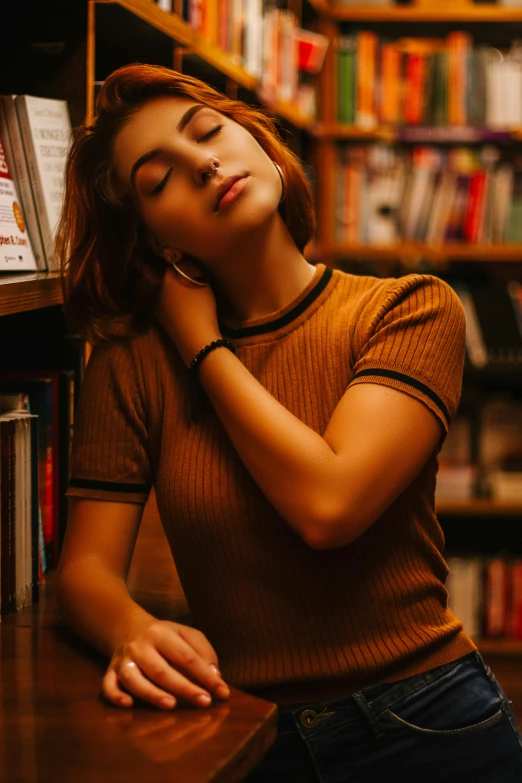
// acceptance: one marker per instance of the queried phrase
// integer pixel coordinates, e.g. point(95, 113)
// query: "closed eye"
point(211, 133)
point(159, 187)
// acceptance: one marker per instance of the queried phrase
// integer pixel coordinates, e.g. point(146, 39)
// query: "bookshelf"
point(31, 291)
point(479, 507)
point(409, 251)
point(420, 19)
point(186, 41)
point(478, 521)
point(458, 11)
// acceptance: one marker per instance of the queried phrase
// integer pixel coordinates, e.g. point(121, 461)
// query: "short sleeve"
point(411, 336)
point(110, 450)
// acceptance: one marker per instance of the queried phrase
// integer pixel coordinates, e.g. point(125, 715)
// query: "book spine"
point(390, 84)
point(496, 594)
point(35, 576)
point(474, 340)
point(32, 163)
point(367, 43)
point(9, 121)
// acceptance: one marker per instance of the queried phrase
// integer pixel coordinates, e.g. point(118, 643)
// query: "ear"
point(167, 253)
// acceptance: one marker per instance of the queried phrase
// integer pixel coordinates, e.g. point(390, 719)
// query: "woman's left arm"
point(329, 489)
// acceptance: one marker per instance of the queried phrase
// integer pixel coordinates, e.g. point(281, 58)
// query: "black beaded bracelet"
point(195, 386)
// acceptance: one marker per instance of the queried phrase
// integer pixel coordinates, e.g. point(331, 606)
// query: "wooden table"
point(54, 727)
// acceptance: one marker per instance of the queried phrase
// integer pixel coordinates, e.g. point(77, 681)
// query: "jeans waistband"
point(379, 697)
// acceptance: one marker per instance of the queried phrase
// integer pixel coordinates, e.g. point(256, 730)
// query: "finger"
point(184, 658)
point(160, 672)
point(133, 680)
point(199, 642)
point(112, 691)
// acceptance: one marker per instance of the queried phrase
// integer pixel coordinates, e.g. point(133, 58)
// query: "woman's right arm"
point(174, 662)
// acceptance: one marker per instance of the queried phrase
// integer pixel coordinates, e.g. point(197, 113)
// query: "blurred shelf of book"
point(259, 46)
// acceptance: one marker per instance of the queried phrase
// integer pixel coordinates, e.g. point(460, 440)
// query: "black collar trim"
point(295, 312)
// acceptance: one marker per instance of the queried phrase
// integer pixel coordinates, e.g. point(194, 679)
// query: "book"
point(16, 253)
point(7, 515)
point(46, 131)
point(43, 401)
point(17, 163)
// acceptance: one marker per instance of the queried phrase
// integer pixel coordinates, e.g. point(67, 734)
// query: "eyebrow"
point(180, 127)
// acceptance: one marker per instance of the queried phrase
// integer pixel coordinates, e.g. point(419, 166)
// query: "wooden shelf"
point(479, 508)
point(180, 31)
point(337, 131)
point(413, 251)
point(504, 647)
point(29, 291)
point(463, 12)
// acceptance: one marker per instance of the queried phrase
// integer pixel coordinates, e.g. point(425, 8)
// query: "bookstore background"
point(408, 119)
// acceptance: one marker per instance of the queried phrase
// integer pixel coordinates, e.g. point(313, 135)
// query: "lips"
point(225, 187)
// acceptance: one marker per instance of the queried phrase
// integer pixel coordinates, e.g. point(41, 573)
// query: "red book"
point(474, 212)
point(514, 623)
point(415, 83)
point(496, 598)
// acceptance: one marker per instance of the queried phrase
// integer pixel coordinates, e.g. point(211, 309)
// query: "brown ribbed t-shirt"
point(288, 621)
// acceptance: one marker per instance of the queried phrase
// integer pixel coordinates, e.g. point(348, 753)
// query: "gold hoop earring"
point(280, 172)
point(182, 274)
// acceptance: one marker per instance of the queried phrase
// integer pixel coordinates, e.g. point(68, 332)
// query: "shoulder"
point(132, 365)
point(422, 298)
point(139, 352)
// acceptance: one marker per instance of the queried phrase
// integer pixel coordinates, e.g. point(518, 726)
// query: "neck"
point(261, 277)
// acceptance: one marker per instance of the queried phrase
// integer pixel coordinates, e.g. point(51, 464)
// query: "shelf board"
point(490, 13)
point(180, 31)
point(499, 646)
point(411, 251)
point(29, 291)
point(479, 508)
point(337, 131)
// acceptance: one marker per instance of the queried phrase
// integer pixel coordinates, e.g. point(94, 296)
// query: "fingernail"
point(222, 692)
point(203, 699)
point(167, 703)
point(215, 669)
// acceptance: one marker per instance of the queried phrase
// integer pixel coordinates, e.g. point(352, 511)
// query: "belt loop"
point(367, 711)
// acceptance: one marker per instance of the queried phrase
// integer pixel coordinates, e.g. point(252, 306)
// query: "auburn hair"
point(110, 275)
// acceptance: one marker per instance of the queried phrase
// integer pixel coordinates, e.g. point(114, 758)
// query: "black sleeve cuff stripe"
point(397, 376)
point(109, 486)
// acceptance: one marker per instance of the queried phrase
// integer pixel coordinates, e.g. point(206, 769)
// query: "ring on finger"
point(129, 665)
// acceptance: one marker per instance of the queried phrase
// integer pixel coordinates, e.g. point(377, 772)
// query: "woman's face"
point(175, 156)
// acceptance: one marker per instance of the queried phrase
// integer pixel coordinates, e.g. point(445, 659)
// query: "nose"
point(206, 170)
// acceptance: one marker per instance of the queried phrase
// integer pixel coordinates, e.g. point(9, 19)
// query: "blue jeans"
point(448, 725)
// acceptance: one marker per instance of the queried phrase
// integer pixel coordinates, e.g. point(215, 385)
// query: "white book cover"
point(16, 254)
point(253, 57)
point(46, 131)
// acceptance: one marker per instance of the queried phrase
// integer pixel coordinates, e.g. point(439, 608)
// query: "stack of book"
point(387, 195)
point(421, 81)
point(34, 137)
point(486, 595)
point(41, 369)
point(20, 553)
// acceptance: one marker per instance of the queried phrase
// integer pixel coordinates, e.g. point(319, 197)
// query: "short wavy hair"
point(110, 274)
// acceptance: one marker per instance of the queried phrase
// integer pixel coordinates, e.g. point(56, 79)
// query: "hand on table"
point(164, 663)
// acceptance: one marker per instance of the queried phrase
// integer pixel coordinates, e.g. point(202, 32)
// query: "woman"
point(289, 418)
